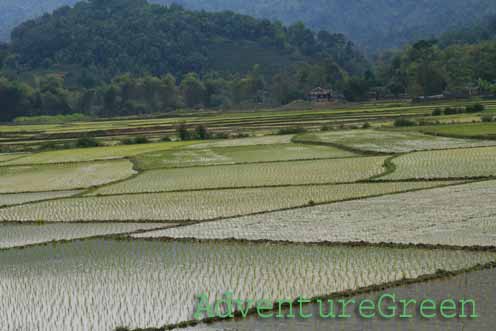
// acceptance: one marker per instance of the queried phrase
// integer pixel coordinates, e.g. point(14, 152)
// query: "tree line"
point(427, 68)
point(61, 64)
point(136, 95)
point(422, 69)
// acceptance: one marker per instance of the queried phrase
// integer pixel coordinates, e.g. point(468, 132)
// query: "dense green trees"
point(429, 68)
point(374, 24)
point(459, 62)
point(4, 51)
point(126, 57)
point(47, 96)
point(15, 98)
point(483, 30)
point(123, 57)
point(112, 37)
point(193, 90)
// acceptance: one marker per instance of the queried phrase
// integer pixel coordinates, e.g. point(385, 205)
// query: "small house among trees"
point(320, 94)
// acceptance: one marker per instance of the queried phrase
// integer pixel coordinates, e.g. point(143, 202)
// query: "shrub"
point(135, 140)
point(453, 111)
point(437, 112)
point(166, 138)
point(487, 118)
point(201, 132)
point(475, 108)
point(141, 140)
point(366, 125)
point(404, 122)
point(127, 141)
point(292, 130)
point(85, 142)
point(327, 127)
point(182, 132)
point(50, 145)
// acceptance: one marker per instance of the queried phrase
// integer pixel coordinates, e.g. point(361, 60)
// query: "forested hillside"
point(483, 30)
point(373, 24)
point(461, 60)
point(122, 57)
point(126, 57)
point(14, 12)
point(431, 68)
point(119, 36)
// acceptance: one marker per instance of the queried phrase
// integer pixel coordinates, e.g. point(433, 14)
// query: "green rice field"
point(38, 178)
point(21, 235)
point(416, 216)
point(470, 130)
point(93, 154)
point(177, 206)
point(279, 203)
point(21, 198)
point(236, 154)
point(455, 163)
point(390, 141)
point(250, 175)
point(134, 282)
point(478, 285)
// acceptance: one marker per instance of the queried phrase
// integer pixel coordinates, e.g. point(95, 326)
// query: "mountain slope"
point(14, 12)
point(372, 23)
point(118, 36)
point(483, 30)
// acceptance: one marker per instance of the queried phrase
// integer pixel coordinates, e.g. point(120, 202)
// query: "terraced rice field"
point(92, 154)
point(8, 157)
point(461, 215)
point(18, 235)
point(197, 205)
point(39, 178)
point(391, 141)
point(140, 283)
point(231, 155)
point(456, 163)
point(238, 215)
point(252, 141)
point(250, 175)
point(478, 285)
point(471, 130)
point(20, 198)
